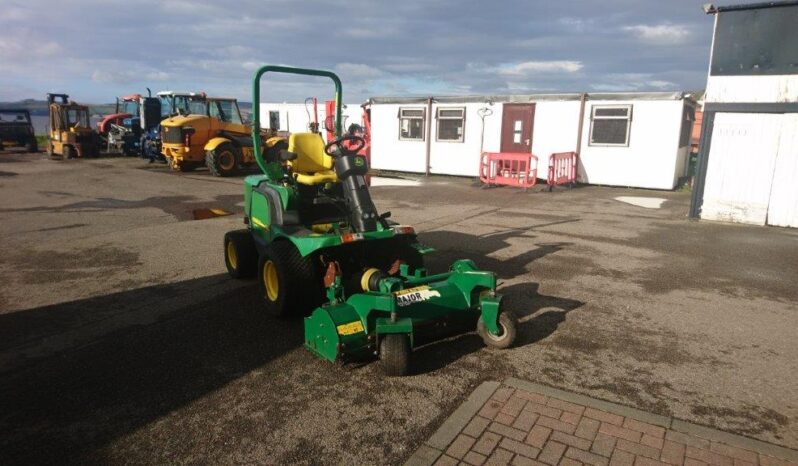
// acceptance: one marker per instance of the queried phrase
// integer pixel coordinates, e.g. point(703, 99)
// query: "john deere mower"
point(319, 248)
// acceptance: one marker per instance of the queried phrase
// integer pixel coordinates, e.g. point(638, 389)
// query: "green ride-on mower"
point(319, 248)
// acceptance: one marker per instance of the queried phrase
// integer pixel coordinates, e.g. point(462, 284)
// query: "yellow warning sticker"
point(409, 296)
point(350, 328)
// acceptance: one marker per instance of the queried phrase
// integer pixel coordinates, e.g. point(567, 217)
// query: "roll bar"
point(256, 141)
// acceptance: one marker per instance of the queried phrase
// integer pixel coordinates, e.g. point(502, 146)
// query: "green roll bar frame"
point(256, 103)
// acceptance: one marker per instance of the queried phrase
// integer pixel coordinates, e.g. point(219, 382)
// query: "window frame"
point(274, 113)
point(593, 118)
point(438, 119)
point(423, 118)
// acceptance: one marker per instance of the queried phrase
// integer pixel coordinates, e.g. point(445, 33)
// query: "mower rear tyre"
point(240, 254)
point(31, 146)
point(223, 160)
point(395, 354)
point(506, 337)
point(289, 283)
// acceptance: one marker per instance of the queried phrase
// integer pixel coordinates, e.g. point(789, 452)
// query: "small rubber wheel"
point(223, 160)
point(507, 328)
point(240, 254)
point(68, 152)
point(289, 283)
point(31, 146)
point(395, 354)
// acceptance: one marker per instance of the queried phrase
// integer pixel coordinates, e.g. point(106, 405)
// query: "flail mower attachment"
point(382, 320)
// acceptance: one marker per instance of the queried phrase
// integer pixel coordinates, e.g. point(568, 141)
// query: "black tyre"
point(50, 152)
point(240, 254)
point(69, 152)
point(411, 256)
point(506, 337)
point(289, 283)
point(223, 160)
point(395, 354)
point(32, 146)
point(182, 167)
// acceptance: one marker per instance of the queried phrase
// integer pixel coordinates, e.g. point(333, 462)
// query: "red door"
point(517, 123)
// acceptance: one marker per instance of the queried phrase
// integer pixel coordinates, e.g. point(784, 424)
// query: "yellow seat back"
point(309, 149)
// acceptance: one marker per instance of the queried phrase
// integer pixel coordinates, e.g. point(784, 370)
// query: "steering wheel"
point(337, 148)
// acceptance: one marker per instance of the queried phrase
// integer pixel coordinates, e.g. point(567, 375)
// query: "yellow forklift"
point(213, 134)
point(71, 134)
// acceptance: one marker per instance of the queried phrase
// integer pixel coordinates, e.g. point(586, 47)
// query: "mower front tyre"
point(507, 332)
point(288, 282)
point(395, 354)
point(240, 254)
point(69, 152)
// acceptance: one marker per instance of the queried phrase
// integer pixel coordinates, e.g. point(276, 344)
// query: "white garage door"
point(742, 157)
point(783, 208)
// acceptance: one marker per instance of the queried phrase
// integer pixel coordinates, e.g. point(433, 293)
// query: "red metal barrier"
point(562, 169)
point(509, 169)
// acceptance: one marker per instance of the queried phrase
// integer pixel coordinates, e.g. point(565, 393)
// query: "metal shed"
point(748, 157)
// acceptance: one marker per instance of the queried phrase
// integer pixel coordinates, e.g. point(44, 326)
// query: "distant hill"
point(39, 107)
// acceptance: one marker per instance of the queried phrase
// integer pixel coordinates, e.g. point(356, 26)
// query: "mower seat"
point(312, 165)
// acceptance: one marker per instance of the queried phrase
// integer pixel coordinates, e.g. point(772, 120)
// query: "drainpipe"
point(428, 134)
point(582, 99)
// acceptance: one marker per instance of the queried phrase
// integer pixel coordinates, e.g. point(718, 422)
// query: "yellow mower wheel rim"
point(270, 280)
point(364, 280)
point(232, 257)
point(227, 161)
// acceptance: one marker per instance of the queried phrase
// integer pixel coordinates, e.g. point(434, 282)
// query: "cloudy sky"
point(97, 49)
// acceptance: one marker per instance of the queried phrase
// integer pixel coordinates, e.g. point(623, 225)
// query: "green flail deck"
point(353, 328)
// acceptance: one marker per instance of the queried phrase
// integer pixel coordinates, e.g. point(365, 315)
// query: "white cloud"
point(531, 67)
point(661, 33)
point(357, 70)
point(128, 76)
point(619, 82)
point(26, 48)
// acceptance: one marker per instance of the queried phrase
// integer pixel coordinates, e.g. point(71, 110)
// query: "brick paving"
point(522, 426)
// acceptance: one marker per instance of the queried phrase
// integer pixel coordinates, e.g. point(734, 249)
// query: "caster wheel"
point(395, 354)
point(507, 332)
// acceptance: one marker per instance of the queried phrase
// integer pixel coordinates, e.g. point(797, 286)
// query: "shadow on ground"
point(77, 401)
point(180, 207)
point(70, 406)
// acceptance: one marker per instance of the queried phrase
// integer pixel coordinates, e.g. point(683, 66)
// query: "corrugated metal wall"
point(753, 166)
point(783, 208)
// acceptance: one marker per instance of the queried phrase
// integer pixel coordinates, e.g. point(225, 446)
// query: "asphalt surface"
point(123, 341)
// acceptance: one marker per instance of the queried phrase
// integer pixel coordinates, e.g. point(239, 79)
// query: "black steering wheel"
point(336, 148)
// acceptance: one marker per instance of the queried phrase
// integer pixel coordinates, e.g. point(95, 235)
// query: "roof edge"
point(711, 9)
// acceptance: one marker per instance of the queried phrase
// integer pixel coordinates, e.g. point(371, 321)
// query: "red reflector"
point(350, 237)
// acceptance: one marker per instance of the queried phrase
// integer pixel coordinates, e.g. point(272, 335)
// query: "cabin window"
point(411, 124)
point(451, 122)
point(274, 120)
point(610, 124)
point(756, 42)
